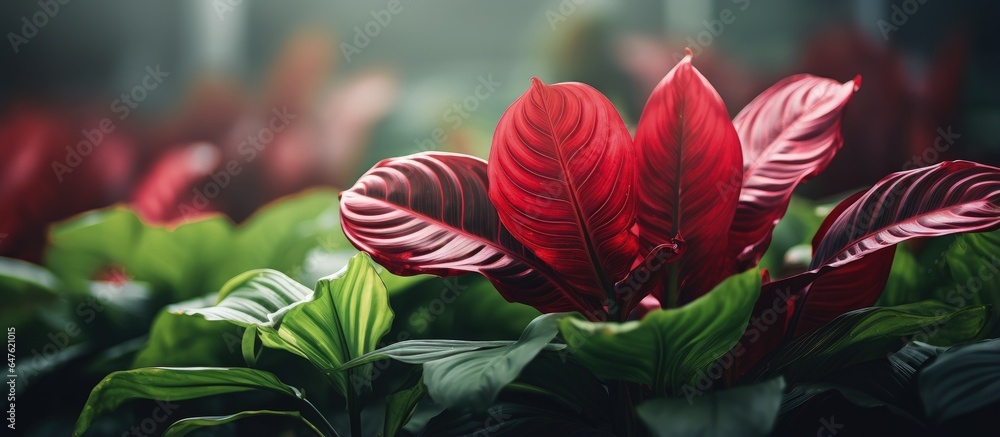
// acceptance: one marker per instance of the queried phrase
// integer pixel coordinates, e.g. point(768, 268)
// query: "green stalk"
point(620, 392)
point(333, 431)
point(354, 410)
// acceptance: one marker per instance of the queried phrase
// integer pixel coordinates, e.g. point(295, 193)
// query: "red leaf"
point(429, 213)
point(852, 261)
point(768, 323)
point(687, 147)
point(157, 196)
point(562, 177)
point(789, 134)
point(951, 197)
point(852, 286)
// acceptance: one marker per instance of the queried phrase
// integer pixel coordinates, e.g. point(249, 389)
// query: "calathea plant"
point(642, 252)
point(571, 213)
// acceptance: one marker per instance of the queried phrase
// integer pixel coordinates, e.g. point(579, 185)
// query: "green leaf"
point(960, 381)
point(177, 340)
point(464, 307)
point(797, 227)
point(743, 411)
point(186, 426)
point(174, 384)
point(115, 237)
point(564, 382)
point(667, 348)
point(343, 319)
point(906, 280)
point(24, 288)
point(971, 274)
point(291, 234)
point(255, 298)
point(399, 406)
point(196, 257)
point(960, 270)
point(887, 383)
point(472, 380)
point(422, 351)
point(866, 334)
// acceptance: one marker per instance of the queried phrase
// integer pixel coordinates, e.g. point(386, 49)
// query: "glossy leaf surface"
point(849, 263)
point(867, 334)
point(343, 319)
point(789, 133)
point(688, 149)
point(173, 384)
point(667, 348)
point(188, 425)
point(430, 213)
point(961, 380)
point(562, 177)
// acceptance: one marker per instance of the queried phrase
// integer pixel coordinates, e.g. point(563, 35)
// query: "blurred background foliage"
point(92, 292)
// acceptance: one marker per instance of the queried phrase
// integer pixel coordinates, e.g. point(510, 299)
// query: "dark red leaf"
point(951, 197)
point(562, 178)
point(853, 259)
point(789, 134)
point(687, 150)
point(429, 213)
point(842, 289)
point(769, 321)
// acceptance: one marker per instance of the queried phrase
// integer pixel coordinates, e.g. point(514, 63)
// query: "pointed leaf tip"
point(857, 82)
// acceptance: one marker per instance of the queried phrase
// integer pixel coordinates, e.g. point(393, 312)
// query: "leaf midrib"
point(583, 226)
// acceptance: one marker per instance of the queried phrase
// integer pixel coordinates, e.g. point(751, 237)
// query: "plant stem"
point(624, 417)
point(673, 288)
point(354, 410)
point(623, 394)
point(333, 431)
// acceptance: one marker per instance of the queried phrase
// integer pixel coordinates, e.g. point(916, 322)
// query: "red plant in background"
point(570, 214)
point(44, 178)
point(164, 169)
